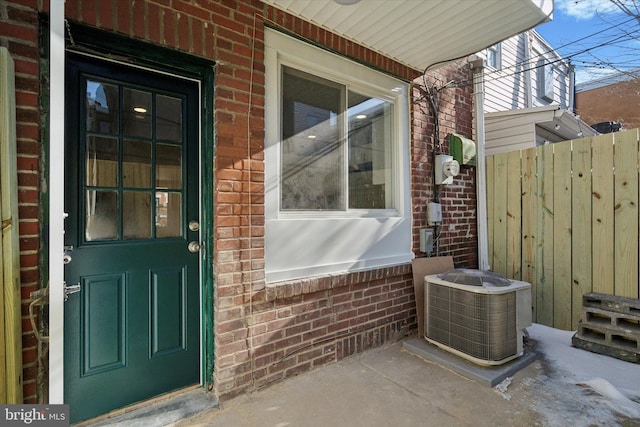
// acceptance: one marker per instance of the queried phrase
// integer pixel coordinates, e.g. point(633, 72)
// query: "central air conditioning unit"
point(477, 315)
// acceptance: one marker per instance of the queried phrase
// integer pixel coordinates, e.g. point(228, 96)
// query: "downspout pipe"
point(477, 68)
point(572, 87)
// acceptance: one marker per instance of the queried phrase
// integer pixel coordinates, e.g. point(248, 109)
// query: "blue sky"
point(598, 37)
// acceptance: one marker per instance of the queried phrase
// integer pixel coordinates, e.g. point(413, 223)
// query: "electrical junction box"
point(426, 240)
point(434, 213)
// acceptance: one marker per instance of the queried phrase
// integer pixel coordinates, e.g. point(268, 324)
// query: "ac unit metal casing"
point(480, 323)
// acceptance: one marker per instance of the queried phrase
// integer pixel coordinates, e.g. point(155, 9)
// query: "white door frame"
point(56, 202)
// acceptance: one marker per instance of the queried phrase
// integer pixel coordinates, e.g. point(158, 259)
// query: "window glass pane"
point(370, 156)
point(312, 150)
point(168, 166)
point(102, 107)
point(136, 164)
point(168, 214)
point(136, 215)
point(102, 162)
point(168, 118)
point(493, 56)
point(136, 113)
point(101, 215)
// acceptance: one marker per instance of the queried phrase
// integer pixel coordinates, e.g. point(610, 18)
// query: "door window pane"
point(102, 161)
point(136, 215)
point(168, 166)
point(142, 166)
point(102, 107)
point(102, 215)
point(168, 118)
point(136, 164)
point(312, 151)
point(136, 113)
point(168, 214)
point(370, 157)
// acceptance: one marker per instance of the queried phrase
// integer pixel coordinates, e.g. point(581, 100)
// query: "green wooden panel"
point(581, 249)
point(626, 214)
point(602, 222)
point(529, 223)
point(499, 262)
point(544, 255)
point(513, 217)
point(168, 310)
point(103, 323)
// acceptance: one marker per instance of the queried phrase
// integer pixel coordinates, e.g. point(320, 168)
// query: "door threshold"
point(162, 410)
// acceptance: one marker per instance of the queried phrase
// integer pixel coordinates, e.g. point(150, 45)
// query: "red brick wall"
point(619, 102)
point(19, 34)
point(458, 234)
point(262, 333)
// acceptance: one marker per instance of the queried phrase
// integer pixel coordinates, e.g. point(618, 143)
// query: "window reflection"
point(102, 107)
point(370, 124)
point(101, 215)
point(168, 166)
point(169, 118)
point(312, 152)
point(136, 215)
point(168, 214)
point(137, 113)
point(136, 164)
point(102, 161)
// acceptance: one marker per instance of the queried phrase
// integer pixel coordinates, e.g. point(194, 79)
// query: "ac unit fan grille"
point(477, 324)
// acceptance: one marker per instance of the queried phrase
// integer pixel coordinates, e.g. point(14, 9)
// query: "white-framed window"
point(337, 145)
point(494, 56)
point(337, 194)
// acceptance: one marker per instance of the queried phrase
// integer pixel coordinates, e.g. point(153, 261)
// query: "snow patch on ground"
point(501, 388)
point(582, 388)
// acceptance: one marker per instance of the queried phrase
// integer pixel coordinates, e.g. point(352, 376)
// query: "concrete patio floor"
point(390, 386)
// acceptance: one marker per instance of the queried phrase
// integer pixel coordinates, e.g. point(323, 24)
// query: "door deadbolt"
point(66, 256)
point(194, 225)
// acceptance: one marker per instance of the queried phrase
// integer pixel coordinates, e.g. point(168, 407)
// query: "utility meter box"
point(445, 169)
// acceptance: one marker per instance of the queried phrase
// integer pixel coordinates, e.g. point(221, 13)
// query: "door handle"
point(70, 289)
point(193, 247)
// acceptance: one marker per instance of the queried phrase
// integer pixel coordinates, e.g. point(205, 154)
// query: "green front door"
point(132, 329)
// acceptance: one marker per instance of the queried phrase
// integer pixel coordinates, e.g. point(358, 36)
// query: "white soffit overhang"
point(421, 33)
point(552, 122)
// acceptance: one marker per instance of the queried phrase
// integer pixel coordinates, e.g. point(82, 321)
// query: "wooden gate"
point(564, 217)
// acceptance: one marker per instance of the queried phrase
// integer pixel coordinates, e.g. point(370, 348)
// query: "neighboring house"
point(245, 182)
point(614, 98)
point(528, 95)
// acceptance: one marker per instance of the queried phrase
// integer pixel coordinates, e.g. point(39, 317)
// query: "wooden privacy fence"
point(10, 315)
point(564, 217)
